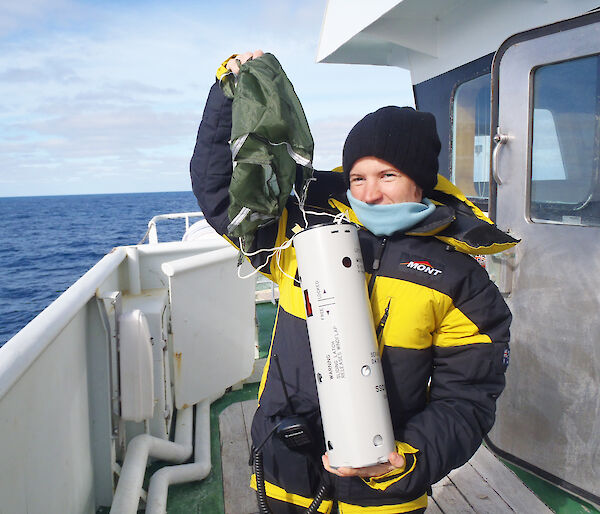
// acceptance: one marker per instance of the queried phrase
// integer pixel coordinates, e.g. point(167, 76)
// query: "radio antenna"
point(287, 398)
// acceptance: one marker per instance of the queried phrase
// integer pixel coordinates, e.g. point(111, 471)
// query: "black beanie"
point(405, 138)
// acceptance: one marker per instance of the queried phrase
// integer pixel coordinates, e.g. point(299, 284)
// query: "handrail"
point(22, 350)
point(152, 234)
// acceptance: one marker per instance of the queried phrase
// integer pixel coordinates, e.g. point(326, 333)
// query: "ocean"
point(48, 242)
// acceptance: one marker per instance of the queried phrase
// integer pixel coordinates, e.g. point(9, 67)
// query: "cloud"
point(24, 16)
point(108, 132)
point(53, 71)
point(329, 136)
point(138, 88)
point(111, 95)
point(23, 75)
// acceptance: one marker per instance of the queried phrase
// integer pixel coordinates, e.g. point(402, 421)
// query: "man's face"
point(377, 182)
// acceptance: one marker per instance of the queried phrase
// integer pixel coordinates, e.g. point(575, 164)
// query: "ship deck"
point(482, 485)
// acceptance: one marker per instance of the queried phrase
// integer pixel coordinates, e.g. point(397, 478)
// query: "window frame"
point(481, 202)
point(530, 134)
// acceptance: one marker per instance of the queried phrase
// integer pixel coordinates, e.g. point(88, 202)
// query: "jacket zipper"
point(376, 264)
point(382, 321)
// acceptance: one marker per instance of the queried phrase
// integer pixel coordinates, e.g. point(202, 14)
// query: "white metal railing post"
point(133, 269)
point(153, 234)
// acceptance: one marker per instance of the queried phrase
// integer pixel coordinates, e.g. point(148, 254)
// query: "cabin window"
point(471, 138)
point(565, 143)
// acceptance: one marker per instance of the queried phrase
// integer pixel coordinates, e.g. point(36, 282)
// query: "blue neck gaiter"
point(384, 220)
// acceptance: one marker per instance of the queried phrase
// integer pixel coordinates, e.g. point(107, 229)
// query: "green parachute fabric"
point(269, 136)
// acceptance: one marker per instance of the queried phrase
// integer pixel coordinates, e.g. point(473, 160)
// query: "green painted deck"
point(265, 320)
point(558, 500)
point(207, 496)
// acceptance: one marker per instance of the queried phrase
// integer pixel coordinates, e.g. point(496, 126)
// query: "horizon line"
point(98, 194)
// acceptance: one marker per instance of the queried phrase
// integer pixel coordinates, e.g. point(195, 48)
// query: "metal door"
point(548, 195)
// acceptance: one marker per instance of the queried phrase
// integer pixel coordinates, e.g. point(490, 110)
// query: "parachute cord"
point(302, 198)
point(277, 260)
point(283, 246)
point(340, 217)
point(275, 252)
point(254, 271)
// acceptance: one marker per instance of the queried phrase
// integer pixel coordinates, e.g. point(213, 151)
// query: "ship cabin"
point(515, 89)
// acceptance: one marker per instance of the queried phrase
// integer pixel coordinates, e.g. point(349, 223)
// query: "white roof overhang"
point(430, 37)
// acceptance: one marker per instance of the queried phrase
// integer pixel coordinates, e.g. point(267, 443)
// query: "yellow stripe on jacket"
point(419, 316)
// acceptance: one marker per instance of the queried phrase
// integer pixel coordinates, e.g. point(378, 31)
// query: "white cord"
point(254, 271)
point(277, 258)
point(337, 218)
point(302, 200)
point(341, 216)
point(275, 251)
point(334, 216)
point(285, 245)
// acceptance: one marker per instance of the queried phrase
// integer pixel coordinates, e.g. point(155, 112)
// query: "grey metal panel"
point(549, 415)
point(99, 390)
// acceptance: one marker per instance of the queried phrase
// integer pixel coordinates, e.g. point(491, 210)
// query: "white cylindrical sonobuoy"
point(352, 395)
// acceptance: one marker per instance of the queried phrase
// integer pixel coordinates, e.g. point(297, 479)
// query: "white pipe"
point(160, 481)
point(129, 487)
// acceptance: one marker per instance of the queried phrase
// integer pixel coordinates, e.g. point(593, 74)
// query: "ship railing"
point(63, 425)
point(152, 233)
point(266, 290)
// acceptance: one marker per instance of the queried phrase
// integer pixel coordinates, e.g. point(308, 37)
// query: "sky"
point(103, 96)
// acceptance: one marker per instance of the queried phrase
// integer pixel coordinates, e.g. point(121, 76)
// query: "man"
point(443, 326)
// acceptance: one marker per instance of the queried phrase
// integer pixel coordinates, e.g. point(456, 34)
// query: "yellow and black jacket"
point(442, 325)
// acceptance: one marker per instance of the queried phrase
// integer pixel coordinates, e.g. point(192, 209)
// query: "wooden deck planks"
point(483, 485)
point(248, 409)
point(480, 495)
point(235, 452)
point(514, 492)
point(432, 508)
point(448, 498)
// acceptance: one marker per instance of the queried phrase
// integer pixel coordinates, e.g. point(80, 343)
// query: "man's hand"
point(232, 64)
point(395, 461)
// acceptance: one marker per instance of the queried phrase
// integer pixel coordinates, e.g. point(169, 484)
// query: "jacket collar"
point(456, 221)
point(437, 221)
